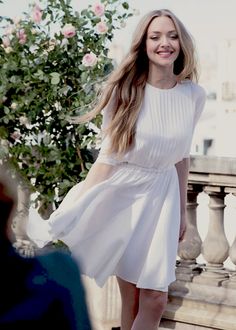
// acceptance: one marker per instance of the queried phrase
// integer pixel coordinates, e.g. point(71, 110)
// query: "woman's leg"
point(130, 302)
point(151, 307)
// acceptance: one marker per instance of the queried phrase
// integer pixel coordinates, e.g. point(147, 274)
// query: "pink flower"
point(24, 121)
point(89, 59)
point(22, 36)
point(68, 31)
point(6, 42)
point(16, 135)
point(9, 30)
point(98, 9)
point(37, 14)
point(102, 27)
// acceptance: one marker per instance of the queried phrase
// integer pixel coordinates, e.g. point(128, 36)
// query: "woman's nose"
point(164, 41)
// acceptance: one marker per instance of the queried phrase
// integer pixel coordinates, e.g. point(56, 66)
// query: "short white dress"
point(128, 225)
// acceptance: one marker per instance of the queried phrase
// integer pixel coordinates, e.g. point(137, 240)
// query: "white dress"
point(128, 225)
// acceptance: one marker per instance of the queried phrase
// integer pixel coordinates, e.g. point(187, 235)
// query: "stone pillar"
point(190, 248)
point(104, 304)
point(231, 283)
point(23, 244)
point(215, 248)
point(20, 220)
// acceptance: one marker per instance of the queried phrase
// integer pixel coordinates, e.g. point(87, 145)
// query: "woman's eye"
point(154, 38)
point(174, 36)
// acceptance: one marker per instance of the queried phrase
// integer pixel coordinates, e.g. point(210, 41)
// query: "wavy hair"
point(124, 88)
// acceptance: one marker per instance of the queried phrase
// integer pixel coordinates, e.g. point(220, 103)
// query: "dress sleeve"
point(199, 100)
point(104, 156)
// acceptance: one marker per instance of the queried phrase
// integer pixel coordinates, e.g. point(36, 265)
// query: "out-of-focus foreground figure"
point(41, 292)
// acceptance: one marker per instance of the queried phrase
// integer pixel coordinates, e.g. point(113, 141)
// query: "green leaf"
point(55, 78)
point(6, 110)
point(3, 132)
point(125, 5)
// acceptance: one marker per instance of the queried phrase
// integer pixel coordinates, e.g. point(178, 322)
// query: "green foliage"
point(45, 79)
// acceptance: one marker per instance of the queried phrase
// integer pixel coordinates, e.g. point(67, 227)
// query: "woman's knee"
point(152, 300)
point(129, 292)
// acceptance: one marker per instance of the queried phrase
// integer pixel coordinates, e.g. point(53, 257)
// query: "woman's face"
point(162, 43)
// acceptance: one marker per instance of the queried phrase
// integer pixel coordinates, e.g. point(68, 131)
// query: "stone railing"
point(204, 295)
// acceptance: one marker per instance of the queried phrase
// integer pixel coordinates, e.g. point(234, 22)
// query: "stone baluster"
point(23, 243)
point(215, 248)
point(231, 283)
point(104, 304)
point(190, 248)
point(20, 220)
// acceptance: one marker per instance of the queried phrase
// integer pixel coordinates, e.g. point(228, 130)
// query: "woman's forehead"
point(161, 23)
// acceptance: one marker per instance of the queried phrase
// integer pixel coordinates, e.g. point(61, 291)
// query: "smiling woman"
point(127, 217)
point(162, 43)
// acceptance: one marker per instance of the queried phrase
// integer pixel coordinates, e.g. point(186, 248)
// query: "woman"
point(127, 217)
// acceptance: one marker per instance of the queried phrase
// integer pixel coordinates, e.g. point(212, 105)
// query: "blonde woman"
point(127, 217)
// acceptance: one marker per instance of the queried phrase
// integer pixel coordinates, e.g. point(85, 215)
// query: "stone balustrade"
point(204, 294)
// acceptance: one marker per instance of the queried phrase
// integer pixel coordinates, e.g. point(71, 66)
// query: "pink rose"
point(9, 30)
point(6, 42)
point(22, 36)
point(102, 27)
point(68, 31)
point(98, 9)
point(37, 14)
point(89, 59)
point(16, 135)
point(24, 121)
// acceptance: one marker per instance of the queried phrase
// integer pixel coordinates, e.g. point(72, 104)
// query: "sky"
point(209, 21)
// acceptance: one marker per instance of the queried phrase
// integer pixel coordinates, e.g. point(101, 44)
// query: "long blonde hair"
point(126, 83)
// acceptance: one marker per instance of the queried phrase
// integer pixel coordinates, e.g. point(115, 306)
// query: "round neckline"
point(163, 89)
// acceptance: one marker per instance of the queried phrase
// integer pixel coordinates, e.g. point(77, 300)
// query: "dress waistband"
point(145, 169)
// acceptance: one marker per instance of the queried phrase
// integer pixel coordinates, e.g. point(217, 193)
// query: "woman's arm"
point(97, 173)
point(182, 168)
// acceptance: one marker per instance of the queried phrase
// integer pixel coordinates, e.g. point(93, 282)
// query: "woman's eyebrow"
point(157, 32)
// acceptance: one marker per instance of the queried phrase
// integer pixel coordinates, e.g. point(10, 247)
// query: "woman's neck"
point(162, 78)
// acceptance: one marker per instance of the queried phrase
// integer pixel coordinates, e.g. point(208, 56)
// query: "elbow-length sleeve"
point(199, 100)
point(104, 155)
point(199, 104)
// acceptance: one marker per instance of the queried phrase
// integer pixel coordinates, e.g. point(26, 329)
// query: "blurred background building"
point(216, 131)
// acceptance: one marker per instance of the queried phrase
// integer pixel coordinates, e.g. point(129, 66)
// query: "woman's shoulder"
point(197, 90)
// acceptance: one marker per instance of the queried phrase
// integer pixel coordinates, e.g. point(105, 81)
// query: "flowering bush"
point(51, 61)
